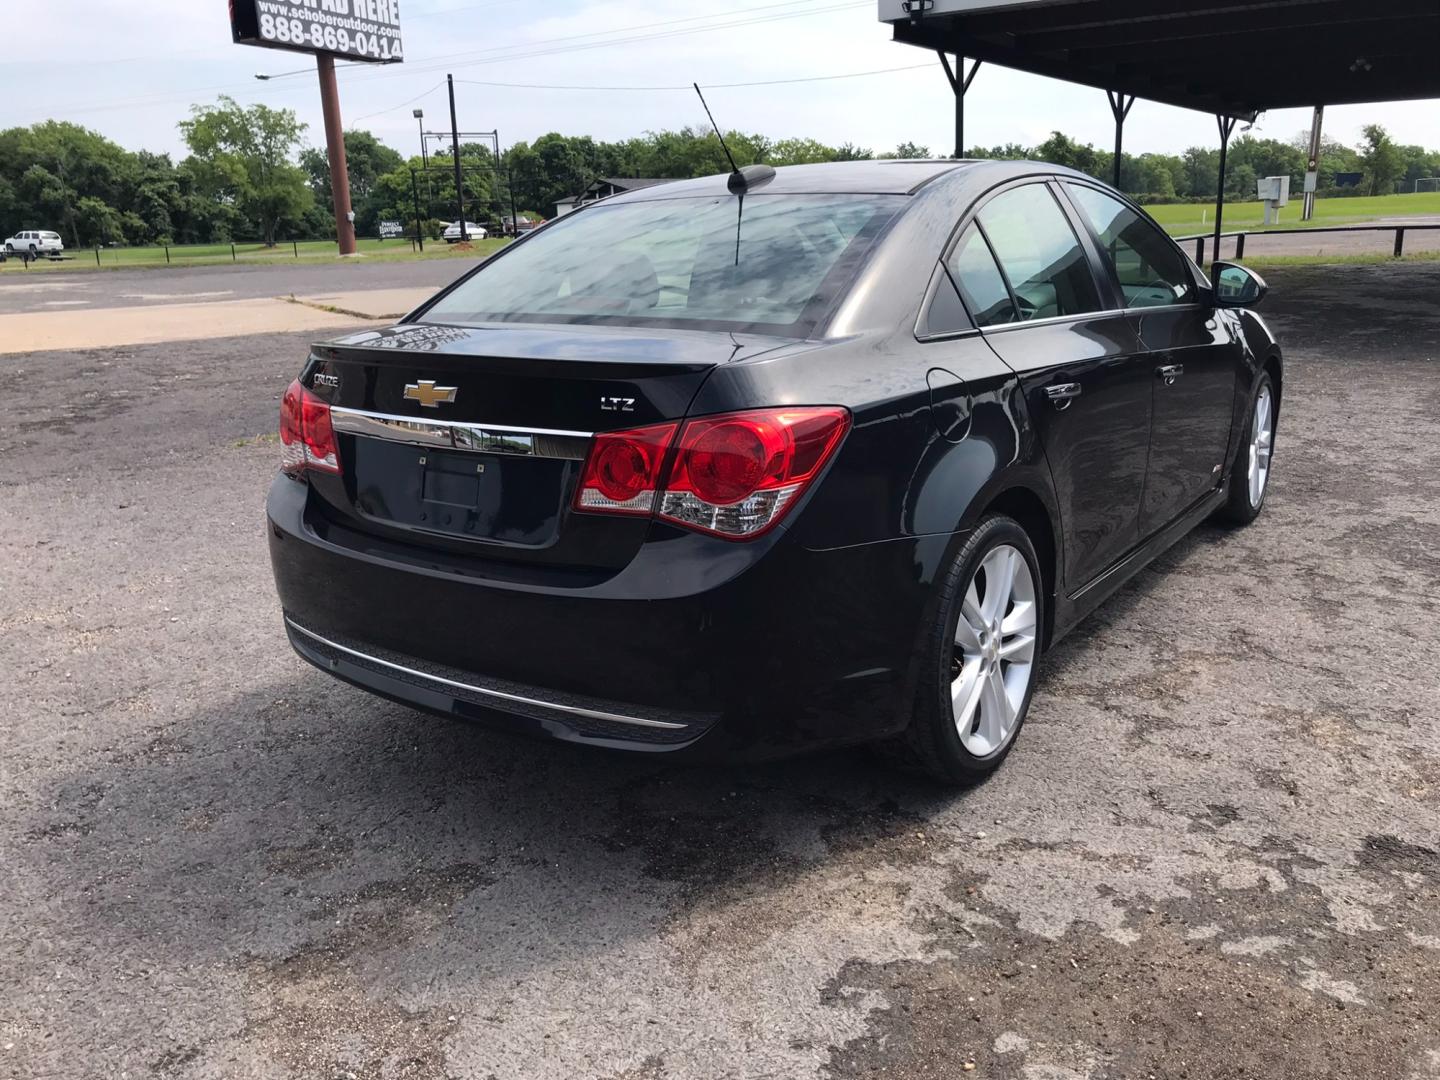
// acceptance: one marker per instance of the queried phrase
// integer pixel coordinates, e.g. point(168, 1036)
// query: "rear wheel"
point(981, 658)
point(1250, 475)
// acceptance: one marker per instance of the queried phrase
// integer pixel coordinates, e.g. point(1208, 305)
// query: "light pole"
point(419, 115)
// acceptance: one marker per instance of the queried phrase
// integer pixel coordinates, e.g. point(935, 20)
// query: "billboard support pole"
point(455, 143)
point(335, 149)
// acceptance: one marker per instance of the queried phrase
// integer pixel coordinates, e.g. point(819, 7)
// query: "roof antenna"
point(740, 179)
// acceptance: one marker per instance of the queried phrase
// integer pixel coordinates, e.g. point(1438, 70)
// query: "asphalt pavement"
point(62, 290)
point(1213, 854)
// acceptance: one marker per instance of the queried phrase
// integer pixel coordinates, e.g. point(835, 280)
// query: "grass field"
point(213, 254)
point(1178, 220)
point(1188, 219)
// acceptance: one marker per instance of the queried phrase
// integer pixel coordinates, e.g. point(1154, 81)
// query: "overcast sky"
point(131, 68)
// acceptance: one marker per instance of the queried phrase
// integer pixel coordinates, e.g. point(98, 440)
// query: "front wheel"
point(1250, 475)
point(981, 657)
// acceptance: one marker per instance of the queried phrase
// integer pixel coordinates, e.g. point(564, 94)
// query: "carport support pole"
point(1226, 124)
point(959, 85)
point(1120, 108)
point(1312, 164)
point(335, 150)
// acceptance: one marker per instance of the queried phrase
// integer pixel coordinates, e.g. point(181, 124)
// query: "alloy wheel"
point(995, 646)
point(1262, 439)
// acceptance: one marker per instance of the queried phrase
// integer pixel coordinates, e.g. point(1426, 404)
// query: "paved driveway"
point(1214, 853)
point(64, 290)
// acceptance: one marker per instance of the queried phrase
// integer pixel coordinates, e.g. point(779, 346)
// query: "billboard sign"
point(392, 230)
point(354, 29)
point(893, 11)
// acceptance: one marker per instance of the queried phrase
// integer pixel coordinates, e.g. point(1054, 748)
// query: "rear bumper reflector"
point(500, 699)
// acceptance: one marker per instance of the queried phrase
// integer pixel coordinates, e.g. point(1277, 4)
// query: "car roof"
point(886, 176)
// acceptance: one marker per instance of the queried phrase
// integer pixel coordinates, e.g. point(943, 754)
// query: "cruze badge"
point(428, 394)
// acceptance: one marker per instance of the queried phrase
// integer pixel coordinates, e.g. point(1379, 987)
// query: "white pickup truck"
point(36, 242)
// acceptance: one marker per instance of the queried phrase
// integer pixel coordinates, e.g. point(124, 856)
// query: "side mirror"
point(1236, 285)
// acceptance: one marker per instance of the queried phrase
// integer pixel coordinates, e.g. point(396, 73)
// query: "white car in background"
point(473, 231)
point(36, 242)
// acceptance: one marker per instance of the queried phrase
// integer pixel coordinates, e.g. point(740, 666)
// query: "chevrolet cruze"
point(787, 458)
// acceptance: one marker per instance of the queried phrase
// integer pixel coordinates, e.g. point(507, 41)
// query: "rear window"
point(771, 263)
point(49, 236)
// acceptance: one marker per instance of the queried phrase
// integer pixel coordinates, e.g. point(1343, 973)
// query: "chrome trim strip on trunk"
point(459, 435)
point(593, 714)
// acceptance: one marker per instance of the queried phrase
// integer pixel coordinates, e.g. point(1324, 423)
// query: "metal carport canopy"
point(1228, 58)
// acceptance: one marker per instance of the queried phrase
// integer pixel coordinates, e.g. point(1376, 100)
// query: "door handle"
point(1170, 372)
point(1062, 394)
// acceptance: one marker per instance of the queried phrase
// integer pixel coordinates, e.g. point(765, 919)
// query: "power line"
point(648, 89)
point(708, 86)
point(412, 101)
point(745, 12)
point(453, 63)
point(443, 62)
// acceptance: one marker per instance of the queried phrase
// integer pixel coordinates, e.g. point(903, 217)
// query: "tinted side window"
point(1150, 271)
point(972, 266)
point(1039, 253)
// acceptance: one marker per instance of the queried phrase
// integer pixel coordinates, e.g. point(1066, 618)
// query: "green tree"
point(1202, 171)
point(367, 159)
point(242, 156)
point(1060, 149)
point(800, 152)
point(909, 150)
point(1157, 175)
point(99, 221)
point(1381, 161)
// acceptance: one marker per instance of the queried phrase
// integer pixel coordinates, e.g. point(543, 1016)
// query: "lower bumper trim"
point(500, 698)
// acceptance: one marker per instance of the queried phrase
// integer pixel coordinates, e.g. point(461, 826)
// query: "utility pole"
point(455, 143)
point(335, 149)
point(509, 185)
point(1312, 167)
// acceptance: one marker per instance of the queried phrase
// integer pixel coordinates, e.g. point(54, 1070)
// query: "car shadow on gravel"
point(258, 825)
point(252, 824)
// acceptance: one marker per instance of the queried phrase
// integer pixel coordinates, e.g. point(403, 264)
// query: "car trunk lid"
point(469, 441)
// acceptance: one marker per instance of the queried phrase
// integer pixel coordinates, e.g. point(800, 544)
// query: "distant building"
point(604, 188)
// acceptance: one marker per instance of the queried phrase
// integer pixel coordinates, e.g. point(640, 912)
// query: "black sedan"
point(811, 456)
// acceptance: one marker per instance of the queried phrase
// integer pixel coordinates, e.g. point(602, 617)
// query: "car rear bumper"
point(699, 645)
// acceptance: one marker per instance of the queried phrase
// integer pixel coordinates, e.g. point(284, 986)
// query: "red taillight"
point(622, 471)
point(733, 475)
point(307, 439)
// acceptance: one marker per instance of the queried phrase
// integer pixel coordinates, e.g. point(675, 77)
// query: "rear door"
point(1030, 283)
point(1196, 357)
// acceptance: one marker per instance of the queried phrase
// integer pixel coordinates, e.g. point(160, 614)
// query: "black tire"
point(33, 251)
point(931, 744)
point(1239, 510)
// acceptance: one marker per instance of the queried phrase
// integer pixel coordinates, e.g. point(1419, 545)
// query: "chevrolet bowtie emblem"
point(428, 394)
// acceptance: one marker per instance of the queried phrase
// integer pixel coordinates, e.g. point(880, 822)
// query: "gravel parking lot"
point(1215, 852)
